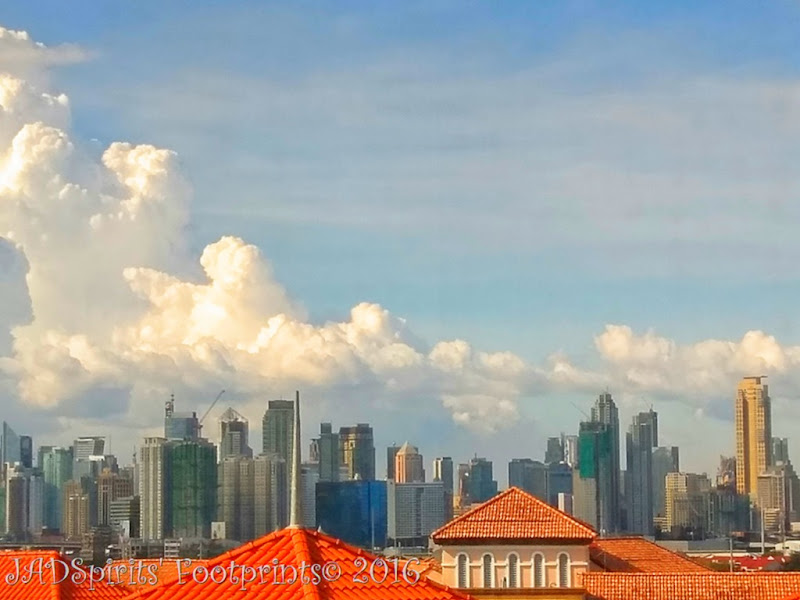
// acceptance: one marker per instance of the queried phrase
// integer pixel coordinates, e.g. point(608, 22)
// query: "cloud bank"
point(116, 318)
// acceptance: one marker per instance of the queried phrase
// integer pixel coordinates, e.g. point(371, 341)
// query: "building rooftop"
point(639, 555)
point(348, 579)
point(514, 515)
point(692, 586)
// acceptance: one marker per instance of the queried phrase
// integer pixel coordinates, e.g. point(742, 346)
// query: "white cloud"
point(103, 244)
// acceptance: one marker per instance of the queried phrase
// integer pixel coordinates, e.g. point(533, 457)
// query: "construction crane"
point(213, 404)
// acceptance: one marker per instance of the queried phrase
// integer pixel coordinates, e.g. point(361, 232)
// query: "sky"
point(458, 221)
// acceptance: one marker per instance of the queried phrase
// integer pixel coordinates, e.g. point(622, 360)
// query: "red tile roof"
point(638, 555)
point(20, 579)
point(336, 571)
point(152, 571)
point(514, 515)
point(691, 586)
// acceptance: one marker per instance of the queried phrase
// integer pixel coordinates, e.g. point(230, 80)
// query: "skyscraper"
point(443, 471)
point(391, 457)
point(665, 460)
point(688, 501)
point(56, 466)
point(570, 443)
point(555, 450)
point(84, 448)
point(753, 434)
point(641, 438)
point(481, 483)
point(780, 450)
point(234, 435)
point(154, 489)
point(529, 475)
point(271, 496)
point(357, 448)
point(75, 518)
point(414, 510)
point(193, 487)
point(409, 465)
point(277, 434)
point(595, 486)
point(605, 411)
point(110, 487)
point(329, 453)
point(179, 426)
point(23, 502)
point(235, 497)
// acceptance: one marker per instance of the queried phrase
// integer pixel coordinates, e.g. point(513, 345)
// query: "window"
point(538, 570)
point(461, 563)
point(563, 570)
point(488, 571)
point(513, 570)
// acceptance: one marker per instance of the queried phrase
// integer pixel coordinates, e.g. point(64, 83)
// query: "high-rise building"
point(555, 450)
point(391, 458)
point(641, 438)
point(570, 443)
point(193, 487)
point(415, 510)
point(26, 451)
point(84, 448)
point(726, 472)
point(124, 516)
point(443, 471)
point(596, 479)
point(357, 448)
point(354, 511)
point(605, 411)
point(559, 483)
point(76, 520)
point(481, 483)
point(24, 489)
point(463, 485)
point(329, 453)
point(409, 465)
point(56, 466)
point(688, 500)
point(780, 450)
point(666, 459)
point(277, 433)
point(154, 489)
point(270, 496)
point(309, 478)
point(10, 448)
point(110, 486)
point(179, 426)
point(234, 435)
point(753, 434)
point(529, 475)
point(236, 497)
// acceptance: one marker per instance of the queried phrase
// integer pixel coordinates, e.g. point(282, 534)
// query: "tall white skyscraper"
point(153, 489)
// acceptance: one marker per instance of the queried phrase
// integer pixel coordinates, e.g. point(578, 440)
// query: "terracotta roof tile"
point(636, 554)
point(289, 548)
point(514, 514)
point(691, 586)
point(20, 579)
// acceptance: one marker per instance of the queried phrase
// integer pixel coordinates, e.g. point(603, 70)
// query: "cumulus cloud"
point(103, 244)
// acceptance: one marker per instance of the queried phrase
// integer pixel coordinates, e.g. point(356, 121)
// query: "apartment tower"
point(753, 434)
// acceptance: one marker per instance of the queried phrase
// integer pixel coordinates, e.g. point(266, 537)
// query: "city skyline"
point(328, 241)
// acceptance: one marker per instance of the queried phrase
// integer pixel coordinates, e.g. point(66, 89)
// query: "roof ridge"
point(302, 550)
point(551, 511)
point(474, 509)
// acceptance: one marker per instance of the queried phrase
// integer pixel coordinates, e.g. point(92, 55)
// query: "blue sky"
point(517, 175)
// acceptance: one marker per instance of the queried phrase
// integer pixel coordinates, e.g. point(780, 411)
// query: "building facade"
point(753, 433)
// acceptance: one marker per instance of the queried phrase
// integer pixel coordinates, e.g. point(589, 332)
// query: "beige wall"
point(578, 561)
